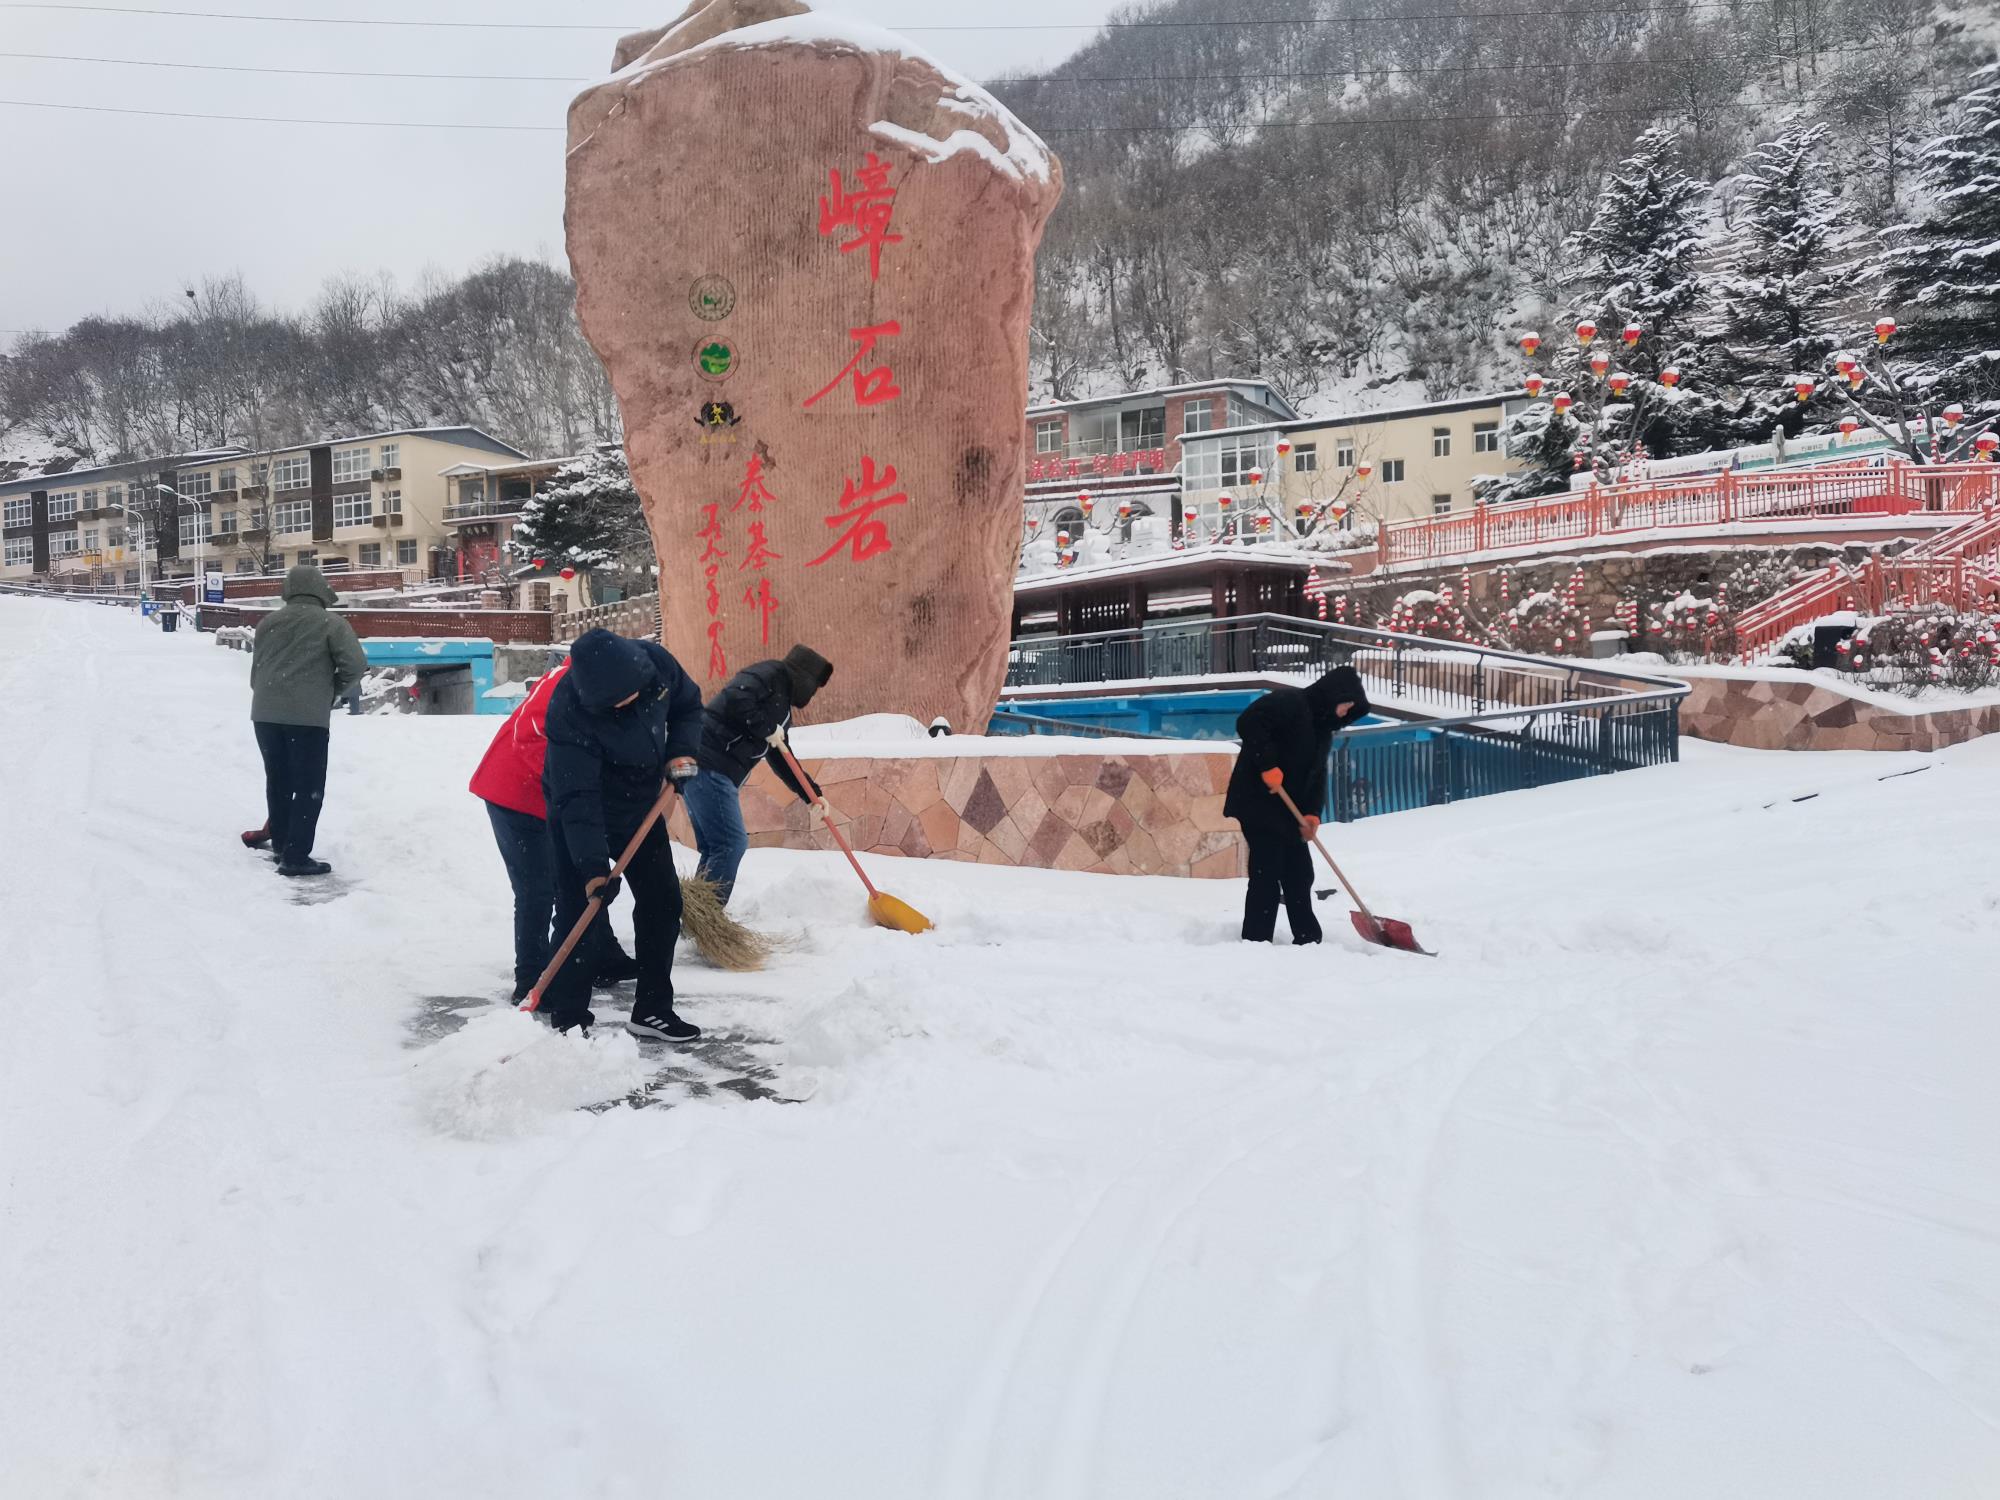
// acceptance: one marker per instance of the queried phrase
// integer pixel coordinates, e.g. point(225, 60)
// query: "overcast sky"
point(107, 213)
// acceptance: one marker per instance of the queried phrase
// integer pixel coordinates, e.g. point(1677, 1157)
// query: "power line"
point(1421, 16)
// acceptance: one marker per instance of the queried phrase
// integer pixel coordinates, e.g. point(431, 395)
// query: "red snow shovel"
point(1387, 932)
point(596, 903)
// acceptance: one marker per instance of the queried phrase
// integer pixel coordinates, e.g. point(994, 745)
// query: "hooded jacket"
point(1291, 729)
point(305, 657)
point(510, 773)
point(736, 726)
point(605, 765)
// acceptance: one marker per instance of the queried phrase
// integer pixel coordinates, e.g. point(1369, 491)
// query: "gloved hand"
point(682, 770)
point(777, 738)
point(605, 888)
point(819, 810)
point(1311, 829)
point(1274, 778)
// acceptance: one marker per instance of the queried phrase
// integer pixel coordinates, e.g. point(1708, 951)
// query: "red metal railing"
point(1705, 500)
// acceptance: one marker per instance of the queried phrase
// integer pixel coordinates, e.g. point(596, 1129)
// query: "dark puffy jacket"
point(736, 726)
point(1291, 729)
point(304, 657)
point(606, 764)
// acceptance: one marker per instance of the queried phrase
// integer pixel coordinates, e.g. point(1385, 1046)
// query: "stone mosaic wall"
point(1763, 714)
point(1103, 813)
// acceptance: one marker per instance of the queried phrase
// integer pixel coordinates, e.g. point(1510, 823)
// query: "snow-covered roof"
point(457, 471)
point(1024, 157)
point(1230, 383)
point(1363, 418)
point(144, 465)
point(1262, 555)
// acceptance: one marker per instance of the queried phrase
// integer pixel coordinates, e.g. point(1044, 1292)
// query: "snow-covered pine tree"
point(1638, 262)
point(1777, 293)
point(1943, 273)
point(588, 517)
point(1544, 441)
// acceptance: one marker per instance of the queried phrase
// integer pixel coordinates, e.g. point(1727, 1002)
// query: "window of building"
point(1440, 505)
point(65, 544)
point(195, 487)
point(114, 536)
point(1144, 428)
point(350, 464)
point(1305, 458)
point(89, 500)
point(1485, 437)
point(20, 512)
point(406, 553)
point(353, 510)
point(62, 506)
point(20, 552)
point(307, 555)
point(260, 474)
point(114, 496)
point(369, 554)
point(194, 527)
point(1343, 454)
point(293, 473)
point(1440, 442)
point(289, 517)
point(1048, 436)
point(226, 523)
point(1225, 463)
point(227, 480)
point(246, 564)
point(1392, 471)
point(392, 455)
point(90, 539)
point(131, 577)
point(392, 502)
point(1197, 416)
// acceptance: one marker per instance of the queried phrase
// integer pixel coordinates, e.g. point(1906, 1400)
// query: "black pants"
point(656, 926)
point(1280, 863)
point(294, 786)
point(524, 849)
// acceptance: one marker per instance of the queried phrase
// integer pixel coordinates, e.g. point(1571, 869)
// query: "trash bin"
point(169, 619)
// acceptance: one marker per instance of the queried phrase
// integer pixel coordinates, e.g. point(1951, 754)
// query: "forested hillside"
point(1362, 200)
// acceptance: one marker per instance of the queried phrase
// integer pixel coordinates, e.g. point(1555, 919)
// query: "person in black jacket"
point(624, 719)
point(743, 724)
point(1286, 735)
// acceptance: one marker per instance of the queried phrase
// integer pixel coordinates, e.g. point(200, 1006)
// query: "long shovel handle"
point(804, 781)
point(1352, 894)
point(596, 903)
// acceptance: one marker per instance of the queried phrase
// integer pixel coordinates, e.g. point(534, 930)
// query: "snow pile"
point(506, 1073)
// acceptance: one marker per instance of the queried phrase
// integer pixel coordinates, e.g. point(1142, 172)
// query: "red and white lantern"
point(1670, 376)
point(1284, 446)
point(1083, 499)
point(1225, 500)
point(1530, 343)
point(1885, 329)
point(1124, 510)
point(1849, 425)
point(1533, 385)
point(1619, 382)
point(1257, 476)
point(1953, 415)
point(1631, 334)
point(1563, 402)
point(1586, 331)
point(1363, 469)
point(1845, 363)
point(1803, 388)
point(1987, 444)
point(1599, 363)
point(568, 573)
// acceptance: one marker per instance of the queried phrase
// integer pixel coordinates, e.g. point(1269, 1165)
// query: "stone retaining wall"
point(1771, 714)
point(1106, 813)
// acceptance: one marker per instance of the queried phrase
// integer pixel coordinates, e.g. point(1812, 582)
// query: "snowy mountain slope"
point(1671, 1177)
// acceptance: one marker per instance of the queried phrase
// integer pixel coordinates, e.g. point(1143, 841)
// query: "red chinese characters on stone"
point(753, 491)
point(760, 598)
point(862, 531)
point(760, 552)
point(711, 561)
point(866, 211)
point(871, 387)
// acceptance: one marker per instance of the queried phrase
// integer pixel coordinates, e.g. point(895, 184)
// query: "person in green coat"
point(304, 661)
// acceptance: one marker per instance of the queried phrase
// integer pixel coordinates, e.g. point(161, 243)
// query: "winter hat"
point(809, 672)
point(608, 668)
point(307, 582)
point(1341, 685)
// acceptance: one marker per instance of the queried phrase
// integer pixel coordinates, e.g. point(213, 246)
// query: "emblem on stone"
point(715, 359)
point(716, 414)
point(712, 298)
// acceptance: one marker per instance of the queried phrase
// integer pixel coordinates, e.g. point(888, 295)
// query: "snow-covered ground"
point(1673, 1176)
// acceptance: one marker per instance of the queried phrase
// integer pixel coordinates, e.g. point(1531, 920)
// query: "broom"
point(724, 942)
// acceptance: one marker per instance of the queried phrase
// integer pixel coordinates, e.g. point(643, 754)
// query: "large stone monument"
point(805, 253)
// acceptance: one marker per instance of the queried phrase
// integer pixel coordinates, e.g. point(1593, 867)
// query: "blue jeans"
point(717, 816)
point(525, 850)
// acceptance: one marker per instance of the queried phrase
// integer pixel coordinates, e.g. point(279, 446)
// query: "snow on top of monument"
point(1025, 156)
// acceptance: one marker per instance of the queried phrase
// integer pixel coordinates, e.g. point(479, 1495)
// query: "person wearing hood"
point(304, 660)
point(624, 720)
point(1286, 736)
point(743, 724)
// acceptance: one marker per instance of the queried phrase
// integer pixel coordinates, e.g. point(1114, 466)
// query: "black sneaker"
point(616, 971)
point(663, 1026)
point(298, 867)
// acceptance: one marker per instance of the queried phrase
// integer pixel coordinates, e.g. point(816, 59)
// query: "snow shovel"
point(596, 903)
point(886, 910)
point(1387, 932)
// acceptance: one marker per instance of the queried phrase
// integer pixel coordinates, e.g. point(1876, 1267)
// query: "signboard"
point(1099, 465)
point(211, 587)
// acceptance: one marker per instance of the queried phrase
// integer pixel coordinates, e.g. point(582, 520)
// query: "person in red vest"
point(509, 781)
